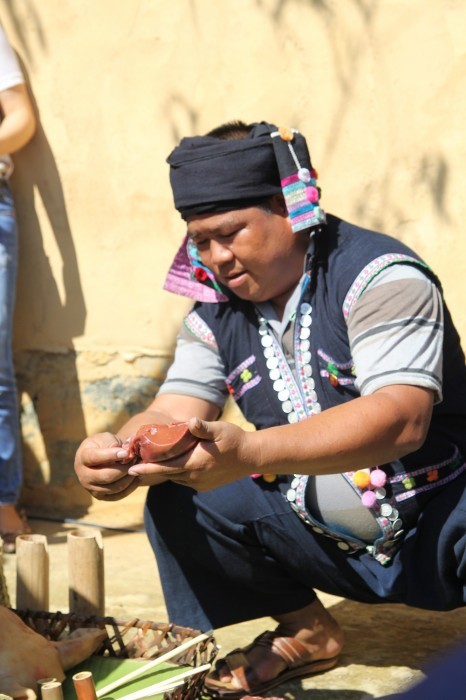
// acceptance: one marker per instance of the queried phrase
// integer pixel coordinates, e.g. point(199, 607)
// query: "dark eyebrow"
point(226, 226)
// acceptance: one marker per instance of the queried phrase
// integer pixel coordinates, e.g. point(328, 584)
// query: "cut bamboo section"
point(32, 572)
point(51, 691)
point(86, 573)
point(4, 596)
point(84, 686)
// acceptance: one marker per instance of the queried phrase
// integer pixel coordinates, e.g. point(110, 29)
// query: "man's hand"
point(102, 461)
point(224, 454)
point(101, 469)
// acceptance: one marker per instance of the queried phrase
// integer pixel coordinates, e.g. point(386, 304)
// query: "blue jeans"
point(10, 443)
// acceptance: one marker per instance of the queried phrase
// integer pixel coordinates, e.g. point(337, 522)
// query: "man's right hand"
point(102, 468)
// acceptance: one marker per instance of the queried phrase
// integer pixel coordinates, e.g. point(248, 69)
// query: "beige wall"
point(378, 87)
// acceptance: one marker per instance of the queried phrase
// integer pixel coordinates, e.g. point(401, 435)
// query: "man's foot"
point(306, 641)
point(12, 524)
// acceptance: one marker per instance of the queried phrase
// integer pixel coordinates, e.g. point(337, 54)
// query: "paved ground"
point(387, 647)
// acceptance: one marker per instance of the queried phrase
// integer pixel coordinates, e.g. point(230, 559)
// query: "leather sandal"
point(297, 658)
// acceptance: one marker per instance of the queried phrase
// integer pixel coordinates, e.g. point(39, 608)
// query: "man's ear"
point(279, 205)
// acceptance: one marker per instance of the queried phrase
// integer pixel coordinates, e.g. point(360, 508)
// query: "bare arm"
point(19, 122)
point(365, 432)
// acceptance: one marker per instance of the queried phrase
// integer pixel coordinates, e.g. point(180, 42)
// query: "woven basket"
point(134, 639)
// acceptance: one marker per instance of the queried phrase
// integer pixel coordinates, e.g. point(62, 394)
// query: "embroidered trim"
point(388, 519)
point(243, 372)
point(384, 509)
point(382, 549)
point(249, 385)
point(340, 365)
point(286, 375)
point(429, 477)
point(297, 396)
point(423, 470)
point(338, 373)
point(199, 328)
point(428, 487)
point(180, 279)
point(372, 270)
point(344, 381)
point(244, 365)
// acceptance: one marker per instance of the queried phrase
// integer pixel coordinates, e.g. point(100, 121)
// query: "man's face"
point(252, 252)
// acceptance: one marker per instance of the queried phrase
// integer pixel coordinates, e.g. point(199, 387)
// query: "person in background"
point(337, 345)
point(17, 127)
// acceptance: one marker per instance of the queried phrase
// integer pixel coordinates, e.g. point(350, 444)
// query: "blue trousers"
point(239, 552)
point(10, 444)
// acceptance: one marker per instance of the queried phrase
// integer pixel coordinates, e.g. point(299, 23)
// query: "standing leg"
point(11, 522)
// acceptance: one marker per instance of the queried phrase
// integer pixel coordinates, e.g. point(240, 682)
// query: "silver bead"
point(305, 308)
point(266, 341)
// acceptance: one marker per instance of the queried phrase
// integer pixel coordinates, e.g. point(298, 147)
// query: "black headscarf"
point(210, 174)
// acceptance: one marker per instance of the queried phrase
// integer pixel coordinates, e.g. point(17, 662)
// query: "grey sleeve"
point(197, 370)
point(396, 331)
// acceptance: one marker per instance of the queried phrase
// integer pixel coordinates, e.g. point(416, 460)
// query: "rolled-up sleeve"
point(197, 369)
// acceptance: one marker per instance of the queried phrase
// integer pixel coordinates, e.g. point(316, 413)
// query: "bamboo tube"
point(44, 681)
point(51, 691)
point(84, 686)
point(86, 572)
point(32, 572)
point(151, 664)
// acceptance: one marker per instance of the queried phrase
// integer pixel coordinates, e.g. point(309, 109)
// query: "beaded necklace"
point(298, 398)
point(296, 394)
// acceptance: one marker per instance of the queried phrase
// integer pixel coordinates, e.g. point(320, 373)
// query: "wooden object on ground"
point(84, 686)
point(86, 579)
point(32, 572)
point(52, 690)
point(4, 597)
point(44, 681)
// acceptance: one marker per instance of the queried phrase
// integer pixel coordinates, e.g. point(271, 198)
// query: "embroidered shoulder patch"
point(199, 328)
point(370, 271)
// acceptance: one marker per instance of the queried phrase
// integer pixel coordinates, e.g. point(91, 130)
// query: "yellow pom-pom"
point(362, 479)
point(269, 478)
point(286, 133)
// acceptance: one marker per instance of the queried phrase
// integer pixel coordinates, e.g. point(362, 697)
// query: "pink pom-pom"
point(312, 194)
point(368, 499)
point(378, 478)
